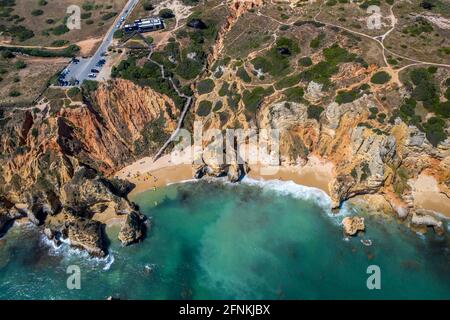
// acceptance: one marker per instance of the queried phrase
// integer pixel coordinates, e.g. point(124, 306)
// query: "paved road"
point(80, 71)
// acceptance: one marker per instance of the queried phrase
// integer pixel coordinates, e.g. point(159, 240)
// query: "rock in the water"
point(7, 216)
point(424, 218)
point(88, 235)
point(82, 233)
point(133, 230)
point(352, 225)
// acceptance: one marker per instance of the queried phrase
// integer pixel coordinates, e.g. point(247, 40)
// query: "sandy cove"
point(427, 195)
point(146, 174)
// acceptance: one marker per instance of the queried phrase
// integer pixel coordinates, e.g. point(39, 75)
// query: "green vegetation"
point(314, 112)
point(166, 14)
point(289, 44)
point(223, 91)
point(68, 52)
point(153, 136)
point(148, 6)
point(89, 86)
point(241, 73)
point(315, 43)
point(233, 101)
point(322, 71)
point(205, 86)
point(147, 75)
point(253, 99)
point(60, 30)
point(425, 91)
point(19, 33)
point(218, 105)
point(88, 6)
point(369, 3)
point(118, 34)
point(189, 68)
point(204, 108)
point(380, 77)
point(420, 26)
point(73, 92)
point(434, 129)
point(14, 93)
point(347, 96)
point(108, 16)
point(20, 64)
point(305, 62)
point(276, 60)
point(37, 12)
point(86, 15)
point(59, 43)
point(294, 94)
point(288, 81)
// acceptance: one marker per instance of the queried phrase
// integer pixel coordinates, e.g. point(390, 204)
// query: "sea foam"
point(69, 253)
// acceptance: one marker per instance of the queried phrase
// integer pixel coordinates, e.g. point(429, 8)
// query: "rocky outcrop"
point(8, 213)
point(427, 219)
point(80, 233)
point(133, 230)
point(352, 225)
point(87, 194)
point(59, 160)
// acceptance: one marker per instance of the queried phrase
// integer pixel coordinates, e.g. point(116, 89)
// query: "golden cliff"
point(55, 164)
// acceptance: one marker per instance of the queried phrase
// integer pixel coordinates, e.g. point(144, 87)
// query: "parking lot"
point(81, 69)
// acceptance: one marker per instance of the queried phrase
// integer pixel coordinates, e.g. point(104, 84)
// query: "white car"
point(92, 75)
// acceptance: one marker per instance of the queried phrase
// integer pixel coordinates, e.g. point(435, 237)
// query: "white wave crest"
point(69, 253)
point(290, 188)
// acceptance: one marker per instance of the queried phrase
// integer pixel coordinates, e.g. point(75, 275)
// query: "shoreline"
point(316, 173)
point(147, 175)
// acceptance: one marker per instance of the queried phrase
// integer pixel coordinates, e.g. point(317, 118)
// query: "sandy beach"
point(146, 174)
point(426, 195)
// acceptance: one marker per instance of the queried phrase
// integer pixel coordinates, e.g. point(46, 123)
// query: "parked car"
point(92, 75)
point(94, 71)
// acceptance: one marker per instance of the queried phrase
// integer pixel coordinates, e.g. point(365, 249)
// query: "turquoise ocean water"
point(254, 240)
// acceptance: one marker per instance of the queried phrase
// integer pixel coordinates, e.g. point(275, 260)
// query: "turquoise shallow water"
point(220, 241)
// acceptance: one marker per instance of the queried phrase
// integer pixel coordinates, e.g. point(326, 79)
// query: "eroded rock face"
point(8, 214)
point(426, 218)
point(352, 225)
point(80, 233)
point(63, 167)
point(87, 194)
point(133, 229)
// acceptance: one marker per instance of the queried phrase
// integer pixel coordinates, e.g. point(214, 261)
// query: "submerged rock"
point(133, 229)
point(352, 225)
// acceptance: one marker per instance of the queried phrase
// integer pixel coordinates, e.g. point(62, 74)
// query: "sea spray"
point(69, 254)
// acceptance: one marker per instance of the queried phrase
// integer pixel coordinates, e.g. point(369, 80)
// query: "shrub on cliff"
point(204, 108)
point(314, 112)
point(381, 77)
point(205, 86)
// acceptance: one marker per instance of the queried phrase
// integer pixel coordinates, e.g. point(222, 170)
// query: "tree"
point(166, 14)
